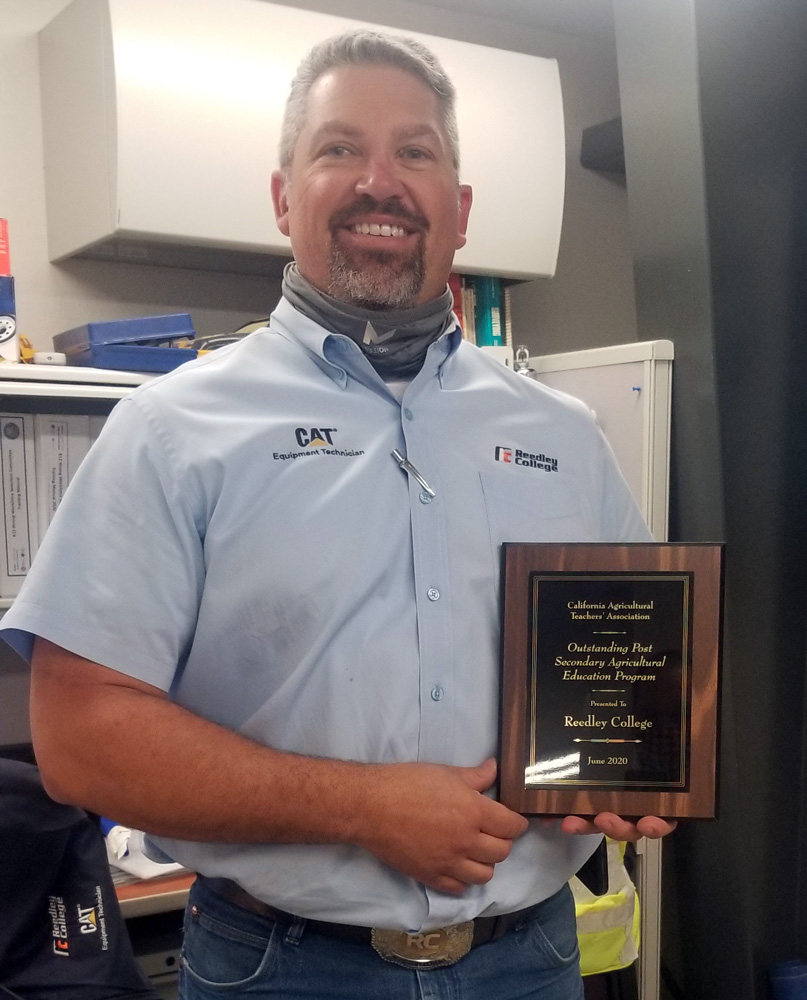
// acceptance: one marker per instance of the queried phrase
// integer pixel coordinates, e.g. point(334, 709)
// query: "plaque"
point(610, 679)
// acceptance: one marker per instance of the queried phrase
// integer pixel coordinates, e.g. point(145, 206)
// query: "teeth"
point(373, 229)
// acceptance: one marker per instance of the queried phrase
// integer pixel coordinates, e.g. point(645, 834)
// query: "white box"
point(18, 484)
point(61, 443)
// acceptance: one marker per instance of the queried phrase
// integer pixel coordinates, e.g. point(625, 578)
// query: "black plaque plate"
point(610, 679)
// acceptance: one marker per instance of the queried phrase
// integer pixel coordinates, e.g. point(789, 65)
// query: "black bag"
point(62, 935)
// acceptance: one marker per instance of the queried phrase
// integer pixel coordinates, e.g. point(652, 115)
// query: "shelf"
point(44, 390)
point(65, 375)
point(66, 382)
point(158, 895)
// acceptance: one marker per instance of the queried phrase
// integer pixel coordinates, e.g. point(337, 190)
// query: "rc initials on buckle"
point(430, 950)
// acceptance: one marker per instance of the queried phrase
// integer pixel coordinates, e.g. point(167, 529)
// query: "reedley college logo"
point(58, 917)
point(89, 919)
point(315, 441)
point(515, 456)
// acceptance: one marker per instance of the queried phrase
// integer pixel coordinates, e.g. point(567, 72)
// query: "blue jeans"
point(230, 952)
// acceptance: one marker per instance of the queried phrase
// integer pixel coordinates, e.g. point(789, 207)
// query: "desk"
point(155, 895)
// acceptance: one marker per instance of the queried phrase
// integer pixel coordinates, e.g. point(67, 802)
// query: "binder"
point(488, 311)
point(61, 441)
point(18, 485)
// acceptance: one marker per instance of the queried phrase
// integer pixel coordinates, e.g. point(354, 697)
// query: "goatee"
point(375, 279)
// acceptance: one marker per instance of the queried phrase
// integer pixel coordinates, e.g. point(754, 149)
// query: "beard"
point(376, 279)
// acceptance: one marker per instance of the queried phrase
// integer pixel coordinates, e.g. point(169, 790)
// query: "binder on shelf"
point(96, 422)
point(18, 484)
point(61, 441)
point(455, 287)
point(507, 317)
point(468, 310)
point(488, 311)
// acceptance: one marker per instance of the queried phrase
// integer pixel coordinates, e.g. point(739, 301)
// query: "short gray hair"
point(357, 48)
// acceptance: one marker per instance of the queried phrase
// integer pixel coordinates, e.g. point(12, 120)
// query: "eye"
point(337, 151)
point(416, 154)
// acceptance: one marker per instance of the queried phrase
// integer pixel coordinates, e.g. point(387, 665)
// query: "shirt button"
point(425, 497)
point(437, 693)
point(408, 413)
point(433, 594)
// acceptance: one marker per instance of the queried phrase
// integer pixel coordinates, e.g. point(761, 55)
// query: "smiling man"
point(282, 662)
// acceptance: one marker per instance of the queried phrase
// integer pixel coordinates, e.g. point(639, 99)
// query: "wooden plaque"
point(611, 679)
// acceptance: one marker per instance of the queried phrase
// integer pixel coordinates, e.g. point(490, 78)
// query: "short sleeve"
point(119, 573)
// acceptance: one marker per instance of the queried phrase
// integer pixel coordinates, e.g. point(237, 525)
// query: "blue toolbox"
point(143, 344)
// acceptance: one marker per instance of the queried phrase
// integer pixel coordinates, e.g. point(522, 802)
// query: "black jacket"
point(62, 936)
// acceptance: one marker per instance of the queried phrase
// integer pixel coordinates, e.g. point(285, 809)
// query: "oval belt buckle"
point(429, 950)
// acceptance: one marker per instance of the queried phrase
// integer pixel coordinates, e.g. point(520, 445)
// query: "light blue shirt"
point(242, 537)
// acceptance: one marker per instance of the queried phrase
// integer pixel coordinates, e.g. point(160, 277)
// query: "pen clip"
point(407, 466)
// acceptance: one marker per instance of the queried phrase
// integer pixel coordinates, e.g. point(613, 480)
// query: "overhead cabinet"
point(161, 121)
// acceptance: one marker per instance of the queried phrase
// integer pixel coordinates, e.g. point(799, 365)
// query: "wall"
point(713, 93)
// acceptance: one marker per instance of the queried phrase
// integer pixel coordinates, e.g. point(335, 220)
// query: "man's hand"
point(617, 828)
point(170, 772)
point(433, 823)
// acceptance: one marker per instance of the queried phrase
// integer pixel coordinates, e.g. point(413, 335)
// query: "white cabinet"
point(161, 121)
point(629, 387)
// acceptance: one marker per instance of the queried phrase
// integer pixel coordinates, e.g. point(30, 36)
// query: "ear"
point(466, 198)
point(280, 201)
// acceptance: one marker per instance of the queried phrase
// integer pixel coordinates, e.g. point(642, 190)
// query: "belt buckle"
point(429, 950)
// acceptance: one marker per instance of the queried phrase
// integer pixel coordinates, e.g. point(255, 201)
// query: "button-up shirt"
point(242, 537)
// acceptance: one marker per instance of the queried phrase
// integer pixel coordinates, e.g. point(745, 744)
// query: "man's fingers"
point(479, 778)
point(491, 850)
point(435, 824)
point(617, 828)
point(578, 825)
point(467, 873)
point(476, 873)
point(653, 827)
point(499, 821)
point(445, 883)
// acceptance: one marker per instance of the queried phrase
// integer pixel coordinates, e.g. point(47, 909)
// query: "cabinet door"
point(161, 123)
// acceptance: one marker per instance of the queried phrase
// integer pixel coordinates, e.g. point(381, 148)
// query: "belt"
point(433, 949)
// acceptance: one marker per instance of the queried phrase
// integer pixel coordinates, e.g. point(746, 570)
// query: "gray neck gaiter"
point(394, 341)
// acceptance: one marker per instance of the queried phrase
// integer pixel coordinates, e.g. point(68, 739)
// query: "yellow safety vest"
point(608, 925)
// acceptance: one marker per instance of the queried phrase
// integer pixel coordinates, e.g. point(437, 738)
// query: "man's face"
point(371, 201)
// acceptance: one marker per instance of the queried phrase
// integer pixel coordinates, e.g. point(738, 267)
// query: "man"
point(274, 644)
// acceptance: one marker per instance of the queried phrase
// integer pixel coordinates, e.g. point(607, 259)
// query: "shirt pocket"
point(546, 510)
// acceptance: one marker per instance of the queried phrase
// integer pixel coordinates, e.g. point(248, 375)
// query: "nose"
point(380, 179)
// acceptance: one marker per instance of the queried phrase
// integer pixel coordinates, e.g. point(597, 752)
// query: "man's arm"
point(121, 748)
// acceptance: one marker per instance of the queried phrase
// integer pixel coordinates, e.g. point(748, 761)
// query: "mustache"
point(390, 206)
